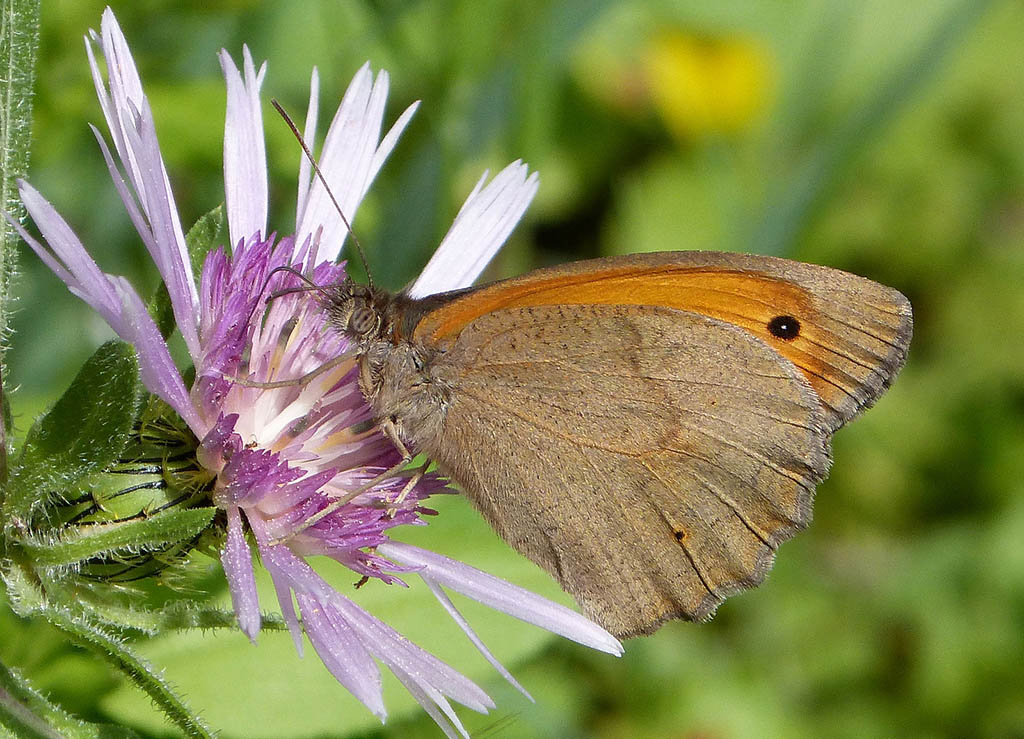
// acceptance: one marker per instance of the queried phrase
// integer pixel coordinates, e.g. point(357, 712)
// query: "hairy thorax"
point(399, 382)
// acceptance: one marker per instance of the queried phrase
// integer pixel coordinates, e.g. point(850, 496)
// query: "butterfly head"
point(358, 311)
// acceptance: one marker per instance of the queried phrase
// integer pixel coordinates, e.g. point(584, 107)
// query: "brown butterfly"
point(648, 428)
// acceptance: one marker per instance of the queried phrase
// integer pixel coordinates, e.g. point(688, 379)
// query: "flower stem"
point(114, 651)
point(19, 40)
point(26, 713)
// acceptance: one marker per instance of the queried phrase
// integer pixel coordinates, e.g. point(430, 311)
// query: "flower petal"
point(68, 259)
point(503, 596)
point(342, 652)
point(309, 135)
point(432, 700)
point(156, 367)
point(480, 229)
point(112, 297)
point(130, 121)
point(446, 602)
point(237, 562)
point(245, 158)
point(398, 653)
point(352, 155)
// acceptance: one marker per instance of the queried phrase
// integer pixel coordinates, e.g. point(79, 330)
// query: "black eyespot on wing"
point(784, 327)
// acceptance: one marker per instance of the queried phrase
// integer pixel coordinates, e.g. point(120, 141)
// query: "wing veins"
point(794, 476)
point(772, 306)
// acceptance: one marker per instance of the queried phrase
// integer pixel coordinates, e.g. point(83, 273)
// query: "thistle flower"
point(279, 456)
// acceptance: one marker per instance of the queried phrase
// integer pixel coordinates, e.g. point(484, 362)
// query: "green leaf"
point(84, 432)
point(118, 654)
point(80, 543)
point(205, 235)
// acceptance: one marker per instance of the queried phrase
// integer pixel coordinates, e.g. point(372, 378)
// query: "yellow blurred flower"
point(704, 86)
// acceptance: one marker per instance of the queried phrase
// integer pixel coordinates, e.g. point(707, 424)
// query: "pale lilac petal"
point(432, 700)
point(237, 562)
point(503, 596)
point(445, 601)
point(284, 599)
point(351, 156)
point(389, 142)
point(343, 653)
point(156, 367)
point(245, 158)
point(395, 651)
point(43, 253)
point(346, 128)
point(124, 191)
point(480, 229)
point(112, 297)
point(130, 121)
point(170, 252)
point(127, 87)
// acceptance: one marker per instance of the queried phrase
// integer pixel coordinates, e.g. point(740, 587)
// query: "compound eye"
point(362, 321)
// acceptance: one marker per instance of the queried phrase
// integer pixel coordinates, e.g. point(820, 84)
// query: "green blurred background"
point(883, 138)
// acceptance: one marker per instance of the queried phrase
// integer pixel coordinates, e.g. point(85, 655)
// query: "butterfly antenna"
point(310, 286)
point(316, 168)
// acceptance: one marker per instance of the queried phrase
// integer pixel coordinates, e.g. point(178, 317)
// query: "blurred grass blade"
point(114, 651)
point(108, 540)
point(19, 39)
point(785, 219)
point(815, 77)
point(27, 713)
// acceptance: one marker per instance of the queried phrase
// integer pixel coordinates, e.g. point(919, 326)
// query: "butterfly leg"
point(296, 381)
point(416, 477)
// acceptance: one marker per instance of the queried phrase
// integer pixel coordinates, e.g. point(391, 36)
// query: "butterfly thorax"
point(394, 372)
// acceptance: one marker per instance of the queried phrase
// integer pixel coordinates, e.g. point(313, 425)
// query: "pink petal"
point(446, 602)
point(351, 156)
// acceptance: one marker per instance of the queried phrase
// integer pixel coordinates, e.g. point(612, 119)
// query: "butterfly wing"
point(851, 333)
point(651, 459)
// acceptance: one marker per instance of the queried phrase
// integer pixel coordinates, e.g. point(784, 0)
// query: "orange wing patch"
point(841, 358)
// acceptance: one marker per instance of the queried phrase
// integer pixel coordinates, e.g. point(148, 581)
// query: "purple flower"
point(282, 455)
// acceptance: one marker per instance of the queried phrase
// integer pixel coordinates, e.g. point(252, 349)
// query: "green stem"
point(114, 651)
point(26, 713)
point(19, 40)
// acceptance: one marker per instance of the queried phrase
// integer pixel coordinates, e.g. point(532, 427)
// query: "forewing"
point(853, 333)
point(651, 459)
